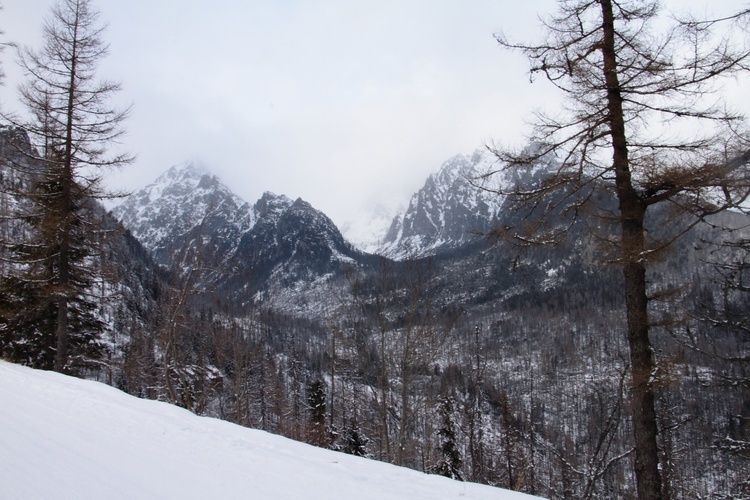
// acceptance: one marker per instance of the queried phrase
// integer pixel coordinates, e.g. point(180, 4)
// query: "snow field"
point(67, 438)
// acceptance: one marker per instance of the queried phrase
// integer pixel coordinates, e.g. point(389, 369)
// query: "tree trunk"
point(405, 363)
point(642, 368)
point(66, 206)
point(63, 267)
point(61, 354)
point(632, 213)
point(385, 438)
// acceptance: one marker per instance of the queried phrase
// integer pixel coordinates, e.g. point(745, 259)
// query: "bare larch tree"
point(75, 129)
point(643, 125)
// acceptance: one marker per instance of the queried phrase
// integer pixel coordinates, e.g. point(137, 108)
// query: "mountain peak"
point(164, 212)
point(459, 202)
point(190, 169)
point(271, 203)
point(447, 211)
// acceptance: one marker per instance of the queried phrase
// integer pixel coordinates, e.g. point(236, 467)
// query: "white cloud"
point(333, 101)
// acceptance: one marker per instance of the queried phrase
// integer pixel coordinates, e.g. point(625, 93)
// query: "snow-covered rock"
point(458, 204)
point(291, 243)
point(453, 207)
point(163, 214)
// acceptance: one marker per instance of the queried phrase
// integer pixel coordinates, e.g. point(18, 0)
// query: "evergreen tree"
point(317, 433)
point(451, 462)
point(33, 294)
point(355, 441)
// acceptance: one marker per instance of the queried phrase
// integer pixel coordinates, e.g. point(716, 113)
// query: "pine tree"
point(317, 434)
point(451, 462)
point(33, 294)
point(355, 441)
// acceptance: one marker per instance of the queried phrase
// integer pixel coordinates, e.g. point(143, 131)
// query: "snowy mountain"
point(290, 240)
point(447, 212)
point(188, 216)
point(287, 252)
point(184, 205)
point(457, 205)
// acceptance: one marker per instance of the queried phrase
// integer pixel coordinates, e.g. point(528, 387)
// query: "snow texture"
point(70, 438)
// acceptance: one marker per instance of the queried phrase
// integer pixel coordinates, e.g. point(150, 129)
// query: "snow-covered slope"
point(183, 198)
point(459, 203)
point(447, 212)
point(68, 438)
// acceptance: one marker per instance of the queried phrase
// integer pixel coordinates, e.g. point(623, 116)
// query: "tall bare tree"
point(74, 128)
point(641, 126)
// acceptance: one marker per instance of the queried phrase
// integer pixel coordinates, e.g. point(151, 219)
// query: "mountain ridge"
point(162, 214)
point(456, 204)
point(187, 215)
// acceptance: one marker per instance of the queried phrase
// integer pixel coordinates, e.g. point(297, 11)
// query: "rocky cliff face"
point(291, 240)
point(452, 209)
point(186, 206)
point(457, 205)
point(188, 220)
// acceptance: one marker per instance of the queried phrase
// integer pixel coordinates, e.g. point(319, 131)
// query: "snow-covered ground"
point(66, 438)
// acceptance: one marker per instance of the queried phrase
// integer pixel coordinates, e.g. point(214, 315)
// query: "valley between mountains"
point(287, 326)
point(437, 345)
point(564, 313)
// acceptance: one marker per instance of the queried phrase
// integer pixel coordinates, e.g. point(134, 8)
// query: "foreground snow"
point(63, 437)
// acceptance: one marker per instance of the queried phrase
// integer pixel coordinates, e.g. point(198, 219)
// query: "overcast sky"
point(340, 102)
